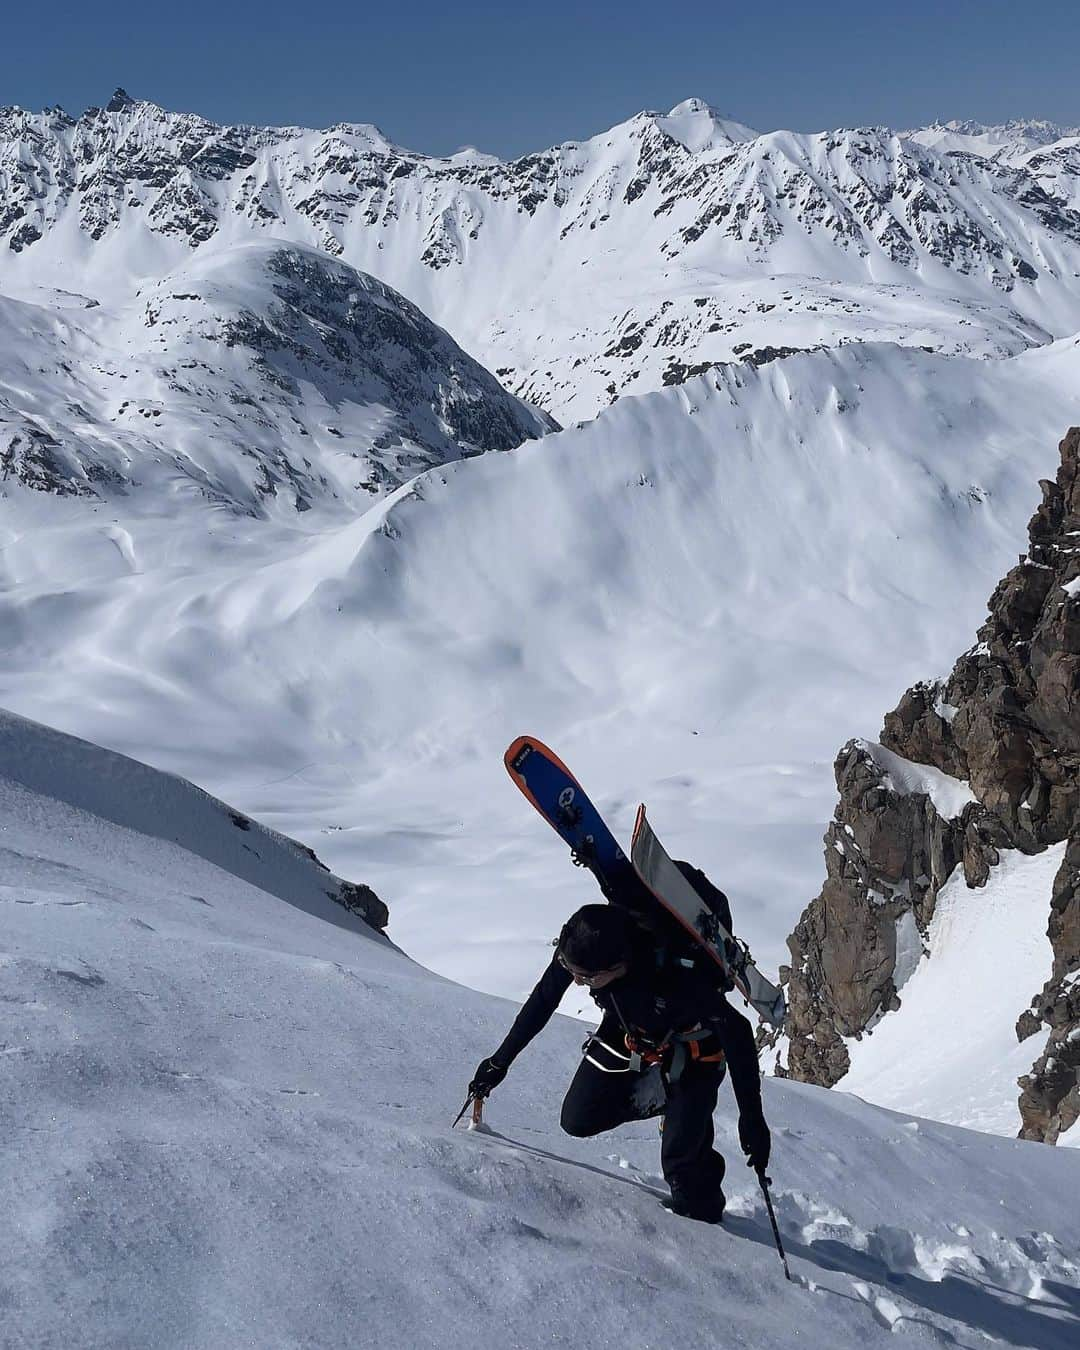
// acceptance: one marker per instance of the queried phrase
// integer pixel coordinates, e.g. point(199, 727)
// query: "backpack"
point(670, 940)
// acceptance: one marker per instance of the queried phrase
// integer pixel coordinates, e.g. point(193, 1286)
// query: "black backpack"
point(671, 941)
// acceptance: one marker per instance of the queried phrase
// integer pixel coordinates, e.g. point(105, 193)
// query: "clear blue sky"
point(516, 77)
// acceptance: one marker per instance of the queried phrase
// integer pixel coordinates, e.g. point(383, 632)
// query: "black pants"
point(605, 1092)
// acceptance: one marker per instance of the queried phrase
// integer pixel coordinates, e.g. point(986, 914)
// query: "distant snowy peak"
point(697, 126)
point(265, 376)
point(592, 269)
point(867, 189)
point(694, 177)
point(1003, 140)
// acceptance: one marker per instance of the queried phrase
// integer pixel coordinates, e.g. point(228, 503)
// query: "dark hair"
point(597, 937)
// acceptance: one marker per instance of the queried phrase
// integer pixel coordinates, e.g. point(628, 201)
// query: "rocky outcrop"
point(1007, 723)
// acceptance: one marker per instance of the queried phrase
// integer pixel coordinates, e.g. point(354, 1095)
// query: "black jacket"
point(657, 996)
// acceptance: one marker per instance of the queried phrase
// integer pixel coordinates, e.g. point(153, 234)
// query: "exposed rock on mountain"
point(946, 239)
point(265, 375)
point(1007, 722)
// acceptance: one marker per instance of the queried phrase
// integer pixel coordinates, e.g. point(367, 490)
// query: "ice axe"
point(476, 1101)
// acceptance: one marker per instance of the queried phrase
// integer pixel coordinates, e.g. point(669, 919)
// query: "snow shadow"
point(486, 1132)
point(981, 1305)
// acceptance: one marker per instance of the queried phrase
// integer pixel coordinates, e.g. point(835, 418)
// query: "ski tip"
point(518, 751)
point(516, 746)
point(521, 746)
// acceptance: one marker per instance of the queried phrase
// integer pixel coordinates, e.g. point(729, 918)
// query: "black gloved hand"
point(488, 1075)
point(756, 1141)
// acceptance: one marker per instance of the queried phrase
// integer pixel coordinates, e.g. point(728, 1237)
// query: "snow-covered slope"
point(265, 377)
point(954, 1054)
point(694, 599)
point(136, 797)
point(225, 1122)
point(593, 269)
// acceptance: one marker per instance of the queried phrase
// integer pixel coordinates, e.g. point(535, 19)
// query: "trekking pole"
point(765, 1183)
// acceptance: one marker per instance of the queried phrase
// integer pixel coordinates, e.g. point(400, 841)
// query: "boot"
point(700, 1195)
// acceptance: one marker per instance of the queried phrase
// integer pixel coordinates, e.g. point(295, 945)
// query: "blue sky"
point(512, 78)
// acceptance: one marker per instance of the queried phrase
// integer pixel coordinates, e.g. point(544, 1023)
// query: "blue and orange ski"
point(546, 781)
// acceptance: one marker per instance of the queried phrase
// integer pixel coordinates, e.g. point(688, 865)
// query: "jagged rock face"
point(1007, 721)
point(887, 853)
point(1008, 718)
point(525, 261)
point(1050, 1093)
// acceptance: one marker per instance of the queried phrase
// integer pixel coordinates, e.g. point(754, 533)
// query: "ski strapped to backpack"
point(678, 897)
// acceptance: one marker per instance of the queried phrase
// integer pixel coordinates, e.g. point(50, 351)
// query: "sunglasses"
point(590, 976)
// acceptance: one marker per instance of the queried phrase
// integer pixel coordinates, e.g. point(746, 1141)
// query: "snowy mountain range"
point(249, 533)
point(593, 269)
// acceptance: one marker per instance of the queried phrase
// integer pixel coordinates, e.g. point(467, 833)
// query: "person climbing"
point(666, 1037)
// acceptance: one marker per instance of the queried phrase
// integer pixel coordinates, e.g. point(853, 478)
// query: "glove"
point(756, 1141)
point(488, 1075)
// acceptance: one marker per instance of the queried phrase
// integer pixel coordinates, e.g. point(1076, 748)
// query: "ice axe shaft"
point(765, 1183)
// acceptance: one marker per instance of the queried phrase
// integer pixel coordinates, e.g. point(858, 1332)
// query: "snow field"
point(692, 604)
point(951, 1050)
point(226, 1122)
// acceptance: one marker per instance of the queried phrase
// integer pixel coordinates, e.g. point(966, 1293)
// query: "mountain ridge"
point(264, 376)
point(734, 240)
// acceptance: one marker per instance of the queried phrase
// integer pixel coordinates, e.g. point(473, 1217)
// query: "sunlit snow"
point(181, 1167)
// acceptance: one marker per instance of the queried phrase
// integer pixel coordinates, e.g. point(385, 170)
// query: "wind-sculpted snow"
point(593, 269)
point(263, 378)
point(131, 795)
point(693, 600)
point(226, 1122)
